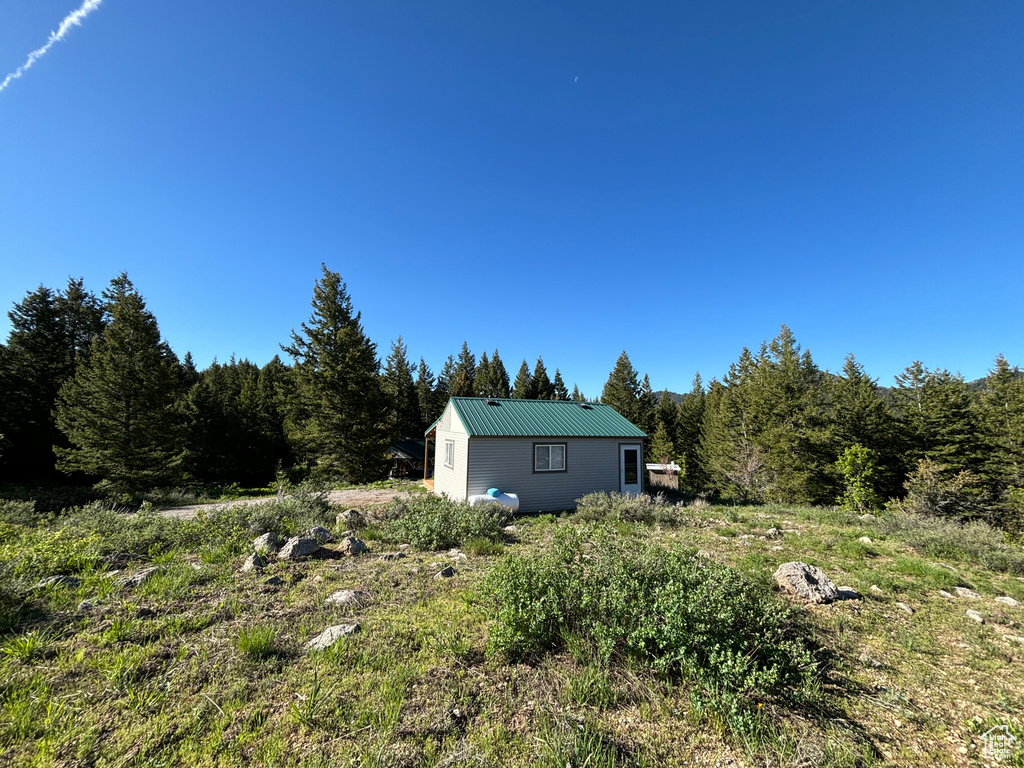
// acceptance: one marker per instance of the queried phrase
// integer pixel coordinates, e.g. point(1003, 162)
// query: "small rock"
point(944, 593)
point(864, 540)
point(351, 518)
point(773, 533)
point(59, 580)
point(392, 556)
point(870, 661)
point(319, 533)
point(876, 590)
point(510, 529)
point(404, 547)
point(135, 579)
point(868, 518)
point(704, 553)
point(964, 592)
point(350, 545)
point(346, 534)
point(267, 544)
point(197, 567)
point(975, 616)
point(331, 635)
point(1015, 638)
point(274, 581)
point(848, 593)
point(111, 574)
point(255, 561)
point(1006, 600)
point(777, 548)
point(456, 554)
point(85, 606)
point(447, 573)
point(298, 547)
point(144, 613)
point(348, 597)
point(806, 581)
point(905, 608)
point(746, 536)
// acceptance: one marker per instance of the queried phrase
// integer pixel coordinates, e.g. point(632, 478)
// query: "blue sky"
point(852, 169)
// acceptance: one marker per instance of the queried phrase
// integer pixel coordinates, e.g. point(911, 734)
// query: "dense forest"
point(90, 391)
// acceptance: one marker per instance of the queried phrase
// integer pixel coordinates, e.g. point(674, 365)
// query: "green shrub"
point(29, 552)
point(436, 522)
point(18, 512)
point(684, 616)
point(974, 542)
point(617, 507)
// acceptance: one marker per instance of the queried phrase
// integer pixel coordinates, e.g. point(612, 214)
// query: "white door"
point(629, 469)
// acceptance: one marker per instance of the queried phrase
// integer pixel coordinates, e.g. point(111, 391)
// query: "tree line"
point(89, 388)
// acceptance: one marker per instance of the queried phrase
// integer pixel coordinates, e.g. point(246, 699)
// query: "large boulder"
point(319, 533)
point(807, 582)
point(351, 518)
point(350, 545)
point(267, 544)
point(298, 547)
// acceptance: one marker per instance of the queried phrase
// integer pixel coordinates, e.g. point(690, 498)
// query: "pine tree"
point(646, 406)
point(1001, 413)
point(401, 391)
point(443, 390)
point(344, 419)
point(484, 382)
point(576, 396)
point(542, 386)
point(117, 411)
point(689, 416)
point(426, 395)
point(561, 393)
point(663, 442)
point(524, 387)
point(464, 378)
point(500, 376)
point(622, 390)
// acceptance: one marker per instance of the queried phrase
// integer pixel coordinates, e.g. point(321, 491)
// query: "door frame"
point(639, 446)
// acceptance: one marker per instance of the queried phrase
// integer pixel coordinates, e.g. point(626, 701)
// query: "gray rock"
point(298, 547)
point(267, 544)
point(331, 635)
point(255, 561)
point(350, 545)
point(392, 556)
point(1015, 638)
point(975, 616)
point(876, 590)
point(944, 593)
point(274, 581)
point(705, 553)
point(351, 518)
point(319, 533)
point(773, 533)
point(137, 578)
point(806, 581)
point(456, 554)
point(85, 606)
point(964, 592)
point(348, 598)
point(447, 573)
point(868, 518)
point(870, 661)
point(864, 540)
point(905, 608)
point(848, 593)
point(510, 529)
point(1006, 600)
point(57, 581)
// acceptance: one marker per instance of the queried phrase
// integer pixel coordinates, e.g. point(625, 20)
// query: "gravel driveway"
point(358, 498)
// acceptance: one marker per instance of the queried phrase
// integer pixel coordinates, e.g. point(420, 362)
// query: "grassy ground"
point(201, 665)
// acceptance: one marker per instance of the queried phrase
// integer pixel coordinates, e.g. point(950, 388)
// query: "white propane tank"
point(509, 500)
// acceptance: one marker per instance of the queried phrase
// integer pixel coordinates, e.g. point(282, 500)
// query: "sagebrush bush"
point(18, 512)
point(974, 542)
point(436, 522)
point(684, 616)
point(617, 507)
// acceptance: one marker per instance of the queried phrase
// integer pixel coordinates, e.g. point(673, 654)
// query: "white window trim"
point(449, 453)
point(565, 462)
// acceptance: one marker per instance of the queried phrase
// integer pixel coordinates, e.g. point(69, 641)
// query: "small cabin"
point(547, 452)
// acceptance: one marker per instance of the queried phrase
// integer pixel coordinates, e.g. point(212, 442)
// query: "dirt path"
point(357, 498)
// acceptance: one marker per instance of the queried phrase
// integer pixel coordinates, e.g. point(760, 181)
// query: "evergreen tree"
point(661, 449)
point(524, 387)
point(542, 386)
point(499, 375)
point(576, 396)
point(485, 384)
point(689, 416)
point(49, 332)
point(344, 411)
point(622, 390)
point(646, 407)
point(561, 393)
point(663, 445)
point(401, 391)
point(463, 381)
point(443, 391)
point(1001, 414)
point(426, 395)
point(117, 411)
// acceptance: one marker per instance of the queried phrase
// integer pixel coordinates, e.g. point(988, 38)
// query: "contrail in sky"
point(73, 19)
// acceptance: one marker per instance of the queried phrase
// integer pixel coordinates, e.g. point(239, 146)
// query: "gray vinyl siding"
point(448, 480)
point(506, 463)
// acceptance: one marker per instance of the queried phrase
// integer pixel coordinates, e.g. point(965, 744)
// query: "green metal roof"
point(495, 417)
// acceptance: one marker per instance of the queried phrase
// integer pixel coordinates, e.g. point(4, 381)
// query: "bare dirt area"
point(357, 498)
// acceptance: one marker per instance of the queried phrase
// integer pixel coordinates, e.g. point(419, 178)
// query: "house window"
point(549, 457)
point(449, 453)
